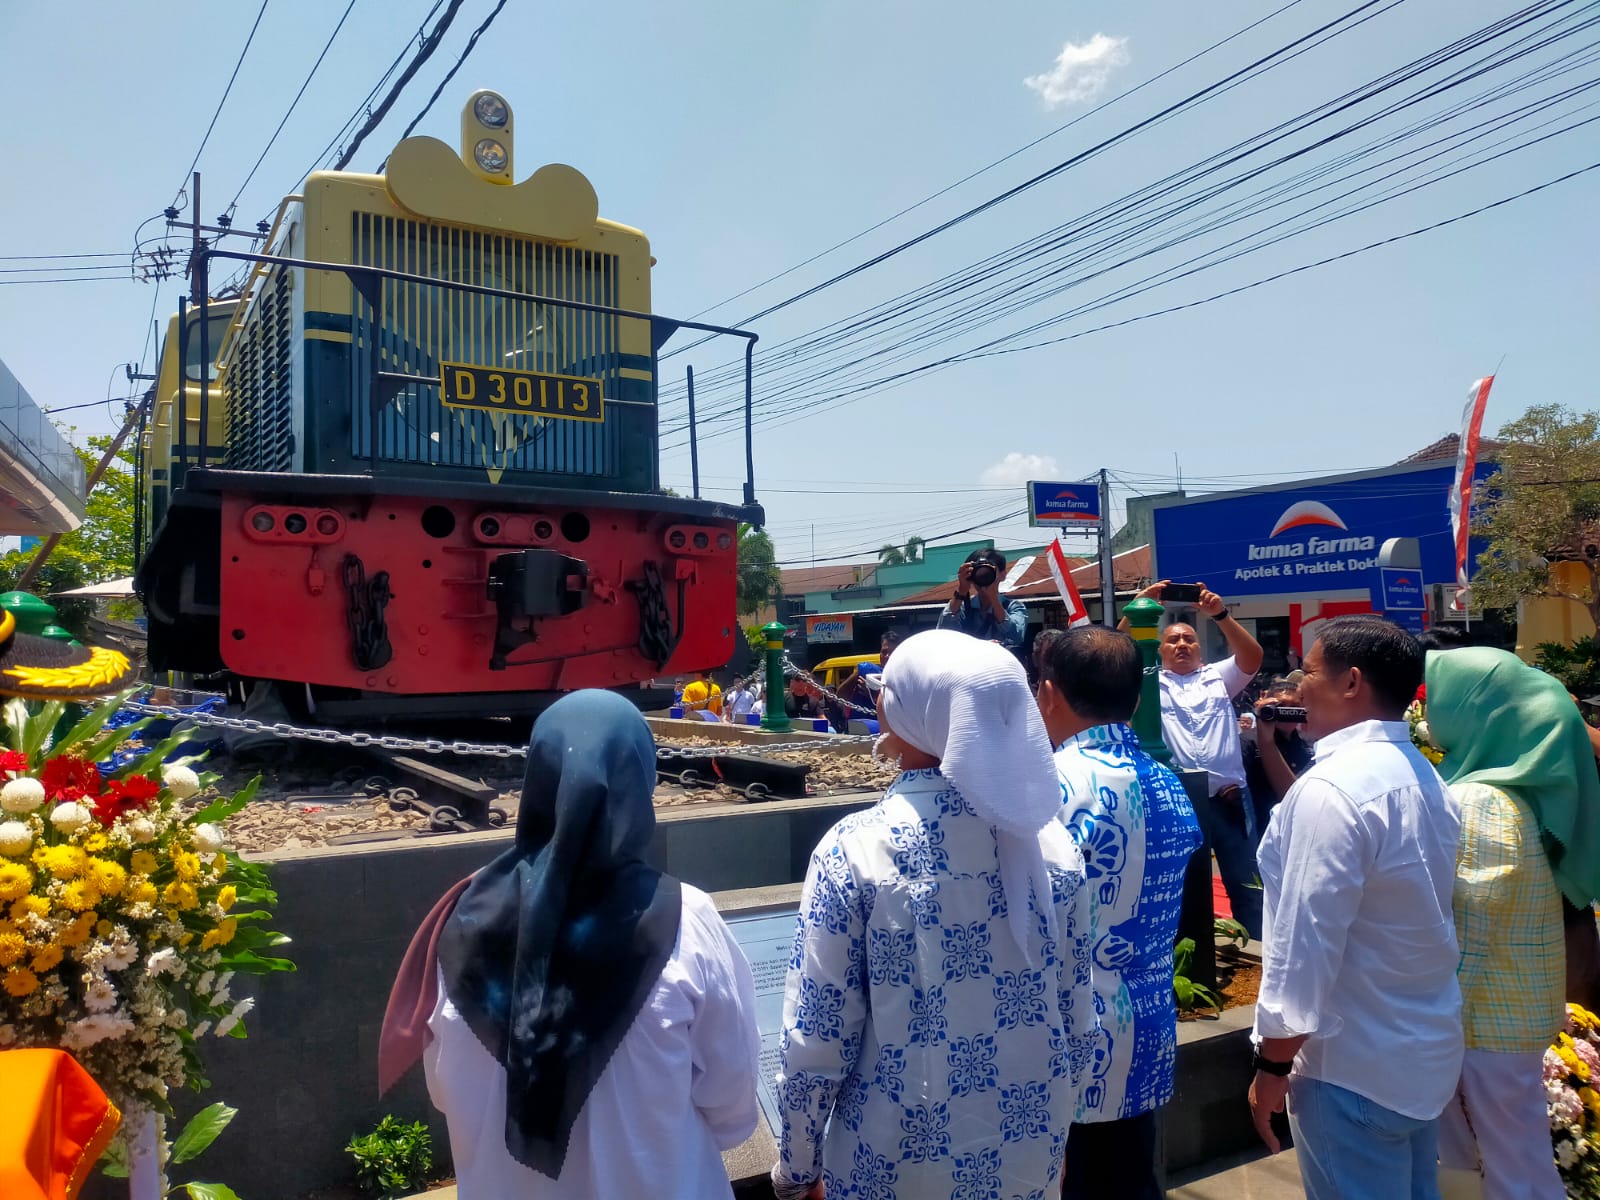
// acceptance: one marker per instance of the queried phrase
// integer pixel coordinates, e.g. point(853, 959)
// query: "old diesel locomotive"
point(422, 475)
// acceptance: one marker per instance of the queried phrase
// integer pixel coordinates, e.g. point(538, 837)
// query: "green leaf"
point(210, 1191)
point(201, 1131)
point(1184, 992)
point(114, 1162)
point(224, 807)
point(93, 723)
point(40, 724)
point(152, 761)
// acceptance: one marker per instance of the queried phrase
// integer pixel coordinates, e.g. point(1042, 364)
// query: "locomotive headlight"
point(491, 110)
point(490, 155)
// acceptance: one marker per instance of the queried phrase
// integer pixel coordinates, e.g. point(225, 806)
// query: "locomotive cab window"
point(191, 363)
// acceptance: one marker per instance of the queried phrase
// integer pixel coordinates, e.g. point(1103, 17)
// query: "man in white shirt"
point(1201, 729)
point(738, 702)
point(1358, 1022)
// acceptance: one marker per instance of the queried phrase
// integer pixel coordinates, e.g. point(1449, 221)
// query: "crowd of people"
point(980, 992)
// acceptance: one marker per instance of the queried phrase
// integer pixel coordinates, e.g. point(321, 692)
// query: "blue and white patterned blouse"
point(922, 1055)
point(1137, 830)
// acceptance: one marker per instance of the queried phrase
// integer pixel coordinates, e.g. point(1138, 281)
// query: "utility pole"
point(1108, 583)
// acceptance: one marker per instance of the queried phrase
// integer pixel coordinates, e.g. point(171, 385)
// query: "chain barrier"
point(384, 741)
point(793, 668)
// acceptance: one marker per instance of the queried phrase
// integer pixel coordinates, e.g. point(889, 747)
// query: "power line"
point(1010, 516)
point(1059, 129)
point(328, 45)
point(57, 257)
point(424, 52)
point(449, 75)
point(68, 279)
point(350, 121)
point(189, 174)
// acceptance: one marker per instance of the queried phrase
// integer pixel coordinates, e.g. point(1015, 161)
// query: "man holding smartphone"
point(976, 607)
point(1202, 731)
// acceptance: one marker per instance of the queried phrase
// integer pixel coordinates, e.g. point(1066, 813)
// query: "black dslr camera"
point(1269, 713)
point(983, 574)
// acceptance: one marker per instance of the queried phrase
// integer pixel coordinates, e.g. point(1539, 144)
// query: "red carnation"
point(68, 777)
point(13, 762)
point(124, 796)
point(1422, 693)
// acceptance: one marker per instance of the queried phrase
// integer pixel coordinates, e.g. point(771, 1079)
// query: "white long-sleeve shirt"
point(1359, 941)
point(679, 1090)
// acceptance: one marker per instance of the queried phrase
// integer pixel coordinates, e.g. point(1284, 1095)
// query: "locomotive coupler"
point(527, 585)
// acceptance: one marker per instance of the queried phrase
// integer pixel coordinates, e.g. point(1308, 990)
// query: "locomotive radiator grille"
point(425, 325)
point(257, 386)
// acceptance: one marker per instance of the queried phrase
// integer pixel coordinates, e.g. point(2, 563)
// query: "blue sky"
point(744, 138)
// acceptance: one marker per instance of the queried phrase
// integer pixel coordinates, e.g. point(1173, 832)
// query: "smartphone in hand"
point(1181, 593)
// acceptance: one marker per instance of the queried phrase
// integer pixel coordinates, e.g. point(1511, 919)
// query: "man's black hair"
point(1043, 643)
point(893, 636)
point(989, 556)
point(1097, 671)
point(1446, 637)
point(1389, 658)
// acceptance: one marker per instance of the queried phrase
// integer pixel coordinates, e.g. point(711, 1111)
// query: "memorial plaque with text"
point(767, 939)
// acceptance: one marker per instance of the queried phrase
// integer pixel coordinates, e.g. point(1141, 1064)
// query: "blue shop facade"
point(1288, 556)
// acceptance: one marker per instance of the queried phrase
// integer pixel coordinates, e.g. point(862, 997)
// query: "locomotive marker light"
point(486, 133)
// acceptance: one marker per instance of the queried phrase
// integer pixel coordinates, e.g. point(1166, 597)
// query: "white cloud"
point(1018, 468)
point(1080, 71)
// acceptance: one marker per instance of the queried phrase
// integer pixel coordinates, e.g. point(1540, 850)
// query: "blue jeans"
point(1353, 1148)
point(1231, 835)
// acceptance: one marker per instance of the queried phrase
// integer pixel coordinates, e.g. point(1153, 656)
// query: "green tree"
point(99, 549)
point(1542, 506)
point(758, 570)
point(890, 555)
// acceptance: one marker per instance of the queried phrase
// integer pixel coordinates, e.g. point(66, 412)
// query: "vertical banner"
point(1061, 572)
point(1461, 489)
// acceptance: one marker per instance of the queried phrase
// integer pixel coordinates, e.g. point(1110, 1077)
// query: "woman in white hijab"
point(939, 1014)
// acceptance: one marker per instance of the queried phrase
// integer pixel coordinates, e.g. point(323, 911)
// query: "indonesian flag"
point(1461, 489)
point(1061, 572)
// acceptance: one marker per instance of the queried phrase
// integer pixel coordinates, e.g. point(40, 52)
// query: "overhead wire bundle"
point(848, 357)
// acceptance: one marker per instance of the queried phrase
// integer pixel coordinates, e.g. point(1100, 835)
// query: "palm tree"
point(890, 555)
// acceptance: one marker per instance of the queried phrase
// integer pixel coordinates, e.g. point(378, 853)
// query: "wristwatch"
point(1221, 616)
point(1269, 1066)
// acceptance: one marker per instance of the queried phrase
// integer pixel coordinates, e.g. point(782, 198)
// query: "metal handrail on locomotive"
point(422, 475)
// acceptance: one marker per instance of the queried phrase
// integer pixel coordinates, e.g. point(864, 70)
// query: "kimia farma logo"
point(1307, 512)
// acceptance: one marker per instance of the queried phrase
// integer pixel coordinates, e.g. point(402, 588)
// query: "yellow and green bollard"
point(1144, 619)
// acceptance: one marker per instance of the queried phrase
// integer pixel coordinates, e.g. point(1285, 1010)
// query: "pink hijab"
point(415, 995)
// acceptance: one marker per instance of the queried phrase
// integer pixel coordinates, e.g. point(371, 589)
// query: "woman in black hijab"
point(594, 1029)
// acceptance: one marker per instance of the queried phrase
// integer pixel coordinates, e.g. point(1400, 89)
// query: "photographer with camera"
point(1202, 731)
point(1278, 753)
point(976, 607)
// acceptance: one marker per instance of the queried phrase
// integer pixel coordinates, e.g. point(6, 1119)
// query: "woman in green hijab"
point(1517, 759)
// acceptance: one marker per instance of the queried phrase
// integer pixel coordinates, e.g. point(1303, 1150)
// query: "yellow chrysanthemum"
point(142, 862)
point(47, 959)
point(21, 982)
point(211, 940)
point(96, 842)
point(181, 896)
point(143, 892)
point(186, 866)
point(108, 876)
point(1583, 1017)
point(79, 895)
point(103, 928)
point(16, 881)
point(12, 947)
point(227, 897)
point(219, 863)
point(227, 929)
point(1575, 1065)
point(186, 939)
point(36, 906)
point(64, 862)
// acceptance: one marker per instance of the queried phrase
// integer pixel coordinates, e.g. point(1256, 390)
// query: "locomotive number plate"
point(529, 393)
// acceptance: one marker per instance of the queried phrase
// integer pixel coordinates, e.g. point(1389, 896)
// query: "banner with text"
point(1063, 503)
point(830, 629)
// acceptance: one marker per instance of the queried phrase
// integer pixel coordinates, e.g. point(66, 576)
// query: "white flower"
point(69, 817)
point(140, 829)
point(90, 1030)
point(99, 996)
point(241, 1009)
point(1565, 1154)
point(22, 795)
point(1426, 735)
point(203, 984)
point(201, 1029)
point(208, 839)
point(225, 1026)
point(163, 962)
point(180, 781)
point(15, 838)
point(119, 956)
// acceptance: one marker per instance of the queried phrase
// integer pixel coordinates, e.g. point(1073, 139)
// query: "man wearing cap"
point(1201, 729)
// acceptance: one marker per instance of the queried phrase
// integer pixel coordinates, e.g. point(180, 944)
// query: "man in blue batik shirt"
point(976, 607)
point(1137, 829)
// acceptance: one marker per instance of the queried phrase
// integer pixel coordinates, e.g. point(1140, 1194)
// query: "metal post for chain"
point(1143, 616)
point(777, 716)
